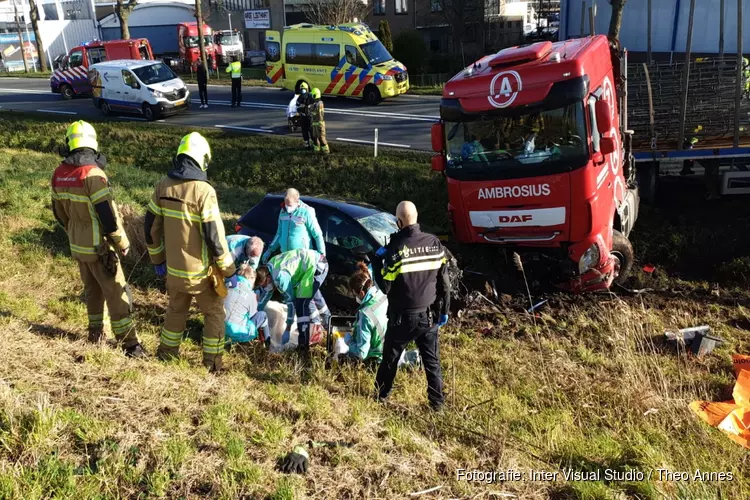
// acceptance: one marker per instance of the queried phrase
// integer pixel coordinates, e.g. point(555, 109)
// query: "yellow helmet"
point(315, 93)
point(196, 147)
point(81, 134)
point(304, 85)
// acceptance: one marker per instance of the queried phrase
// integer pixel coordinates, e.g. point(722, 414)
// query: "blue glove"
point(231, 282)
point(443, 320)
point(285, 336)
point(380, 251)
point(161, 270)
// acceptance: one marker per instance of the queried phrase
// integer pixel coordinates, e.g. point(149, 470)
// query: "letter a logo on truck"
point(504, 89)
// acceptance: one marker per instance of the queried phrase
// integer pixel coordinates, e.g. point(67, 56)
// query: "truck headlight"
point(387, 77)
point(589, 259)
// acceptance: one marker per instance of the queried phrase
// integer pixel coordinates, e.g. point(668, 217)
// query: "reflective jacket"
point(296, 230)
point(240, 305)
point(82, 202)
point(293, 274)
point(236, 244)
point(236, 69)
point(304, 104)
point(370, 326)
point(184, 228)
point(316, 110)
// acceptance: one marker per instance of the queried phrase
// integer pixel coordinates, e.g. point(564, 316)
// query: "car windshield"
point(154, 73)
point(192, 41)
point(229, 39)
point(375, 52)
point(380, 225)
point(511, 141)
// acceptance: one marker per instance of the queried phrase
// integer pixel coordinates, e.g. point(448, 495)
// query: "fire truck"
point(71, 78)
point(536, 157)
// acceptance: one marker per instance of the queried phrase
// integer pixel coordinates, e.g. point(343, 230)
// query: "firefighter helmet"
point(304, 86)
point(196, 147)
point(81, 134)
point(315, 93)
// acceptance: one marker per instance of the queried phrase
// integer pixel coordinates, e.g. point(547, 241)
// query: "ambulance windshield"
point(493, 143)
point(375, 52)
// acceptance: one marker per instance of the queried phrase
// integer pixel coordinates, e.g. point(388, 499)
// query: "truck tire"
point(67, 92)
point(148, 112)
point(104, 106)
point(622, 250)
point(371, 95)
point(648, 181)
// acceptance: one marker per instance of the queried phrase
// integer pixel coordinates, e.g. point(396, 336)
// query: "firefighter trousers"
point(100, 287)
point(319, 134)
point(212, 307)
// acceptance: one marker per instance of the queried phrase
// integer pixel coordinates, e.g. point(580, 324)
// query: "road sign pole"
point(376, 143)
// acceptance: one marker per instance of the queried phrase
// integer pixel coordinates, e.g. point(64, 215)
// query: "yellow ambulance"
point(343, 60)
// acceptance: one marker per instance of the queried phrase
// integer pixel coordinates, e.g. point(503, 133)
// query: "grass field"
point(588, 385)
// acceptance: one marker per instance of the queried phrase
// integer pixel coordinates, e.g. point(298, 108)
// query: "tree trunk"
point(123, 8)
point(34, 11)
point(201, 42)
point(615, 22)
point(20, 39)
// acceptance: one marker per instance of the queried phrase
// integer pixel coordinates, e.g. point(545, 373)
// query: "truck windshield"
point(375, 52)
point(229, 39)
point(154, 73)
point(192, 41)
point(492, 145)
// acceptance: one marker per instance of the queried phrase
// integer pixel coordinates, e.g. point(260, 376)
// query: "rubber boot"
point(136, 351)
point(213, 363)
point(316, 148)
point(326, 149)
point(96, 334)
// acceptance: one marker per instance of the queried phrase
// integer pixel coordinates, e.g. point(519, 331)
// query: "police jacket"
point(414, 273)
point(183, 227)
point(296, 230)
point(83, 204)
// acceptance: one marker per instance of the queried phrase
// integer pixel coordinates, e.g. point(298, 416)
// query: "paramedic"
point(243, 322)
point(245, 249)
point(372, 318)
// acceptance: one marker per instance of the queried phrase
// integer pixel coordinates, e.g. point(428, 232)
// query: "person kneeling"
point(243, 322)
point(371, 320)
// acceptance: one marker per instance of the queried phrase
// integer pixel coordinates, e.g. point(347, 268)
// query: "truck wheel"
point(372, 95)
point(104, 106)
point(148, 112)
point(299, 83)
point(648, 181)
point(622, 250)
point(67, 93)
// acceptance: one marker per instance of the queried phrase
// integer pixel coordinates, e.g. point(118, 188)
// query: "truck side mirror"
point(438, 163)
point(603, 117)
point(607, 145)
point(438, 133)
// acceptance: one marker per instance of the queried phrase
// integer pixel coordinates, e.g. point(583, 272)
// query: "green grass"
point(428, 90)
point(23, 74)
point(589, 387)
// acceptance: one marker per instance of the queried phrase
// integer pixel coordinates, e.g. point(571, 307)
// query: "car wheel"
point(67, 93)
point(372, 95)
point(148, 112)
point(104, 106)
point(622, 251)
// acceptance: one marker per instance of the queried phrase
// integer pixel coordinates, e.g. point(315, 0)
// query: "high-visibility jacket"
point(317, 112)
point(235, 68)
point(370, 326)
point(293, 274)
point(184, 228)
point(296, 231)
point(82, 202)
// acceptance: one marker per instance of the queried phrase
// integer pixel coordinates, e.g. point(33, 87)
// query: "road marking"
point(25, 91)
point(359, 141)
point(56, 112)
point(248, 129)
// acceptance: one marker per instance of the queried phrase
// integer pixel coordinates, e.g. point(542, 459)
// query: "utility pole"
point(738, 90)
point(20, 38)
point(28, 38)
point(686, 76)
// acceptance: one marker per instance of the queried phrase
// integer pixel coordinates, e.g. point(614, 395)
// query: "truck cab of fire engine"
point(531, 147)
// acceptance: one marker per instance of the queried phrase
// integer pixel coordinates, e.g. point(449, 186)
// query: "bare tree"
point(34, 11)
point(615, 22)
point(333, 12)
point(123, 9)
point(463, 17)
point(201, 41)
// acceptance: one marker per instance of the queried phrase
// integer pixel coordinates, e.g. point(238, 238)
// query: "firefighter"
point(82, 202)
point(186, 242)
point(318, 123)
point(304, 108)
point(236, 69)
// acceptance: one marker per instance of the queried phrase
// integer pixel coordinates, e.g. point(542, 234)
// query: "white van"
point(149, 88)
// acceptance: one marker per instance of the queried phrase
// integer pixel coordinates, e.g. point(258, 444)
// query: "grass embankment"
point(23, 74)
point(589, 387)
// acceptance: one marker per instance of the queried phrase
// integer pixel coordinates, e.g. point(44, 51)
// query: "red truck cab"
point(190, 53)
point(71, 79)
point(534, 157)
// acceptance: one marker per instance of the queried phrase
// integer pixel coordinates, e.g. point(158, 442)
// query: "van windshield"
point(154, 73)
point(494, 144)
point(375, 52)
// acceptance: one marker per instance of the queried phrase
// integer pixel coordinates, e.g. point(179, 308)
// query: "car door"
point(130, 90)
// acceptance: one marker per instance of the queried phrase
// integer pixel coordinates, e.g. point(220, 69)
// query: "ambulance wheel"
point(299, 83)
point(372, 95)
point(622, 251)
point(66, 91)
point(148, 112)
point(104, 106)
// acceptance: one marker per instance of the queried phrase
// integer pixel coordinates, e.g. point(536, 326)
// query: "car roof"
point(125, 63)
point(354, 209)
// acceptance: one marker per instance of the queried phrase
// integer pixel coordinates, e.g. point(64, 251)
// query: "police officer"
point(82, 202)
point(304, 105)
point(412, 271)
point(236, 69)
point(320, 144)
point(186, 242)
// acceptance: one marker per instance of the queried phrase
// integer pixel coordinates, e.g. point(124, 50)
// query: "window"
point(402, 6)
point(97, 55)
point(155, 73)
point(76, 59)
point(354, 57)
point(313, 54)
point(343, 232)
point(299, 53)
point(381, 226)
point(143, 51)
point(436, 5)
point(375, 52)
point(378, 7)
point(261, 4)
point(273, 51)
point(595, 136)
point(519, 24)
point(327, 54)
point(129, 79)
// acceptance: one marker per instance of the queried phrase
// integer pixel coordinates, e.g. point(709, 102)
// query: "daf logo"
point(504, 89)
point(506, 219)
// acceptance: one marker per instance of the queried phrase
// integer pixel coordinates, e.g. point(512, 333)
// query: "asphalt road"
point(402, 122)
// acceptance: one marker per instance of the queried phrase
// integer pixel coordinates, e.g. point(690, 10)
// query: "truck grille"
point(176, 95)
point(401, 77)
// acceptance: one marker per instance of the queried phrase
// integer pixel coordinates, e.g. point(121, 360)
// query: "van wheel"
point(372, 95)
point(104, 106)
point(66, 91)
point(148, 112)
point(299, 84)
point(622, 251)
